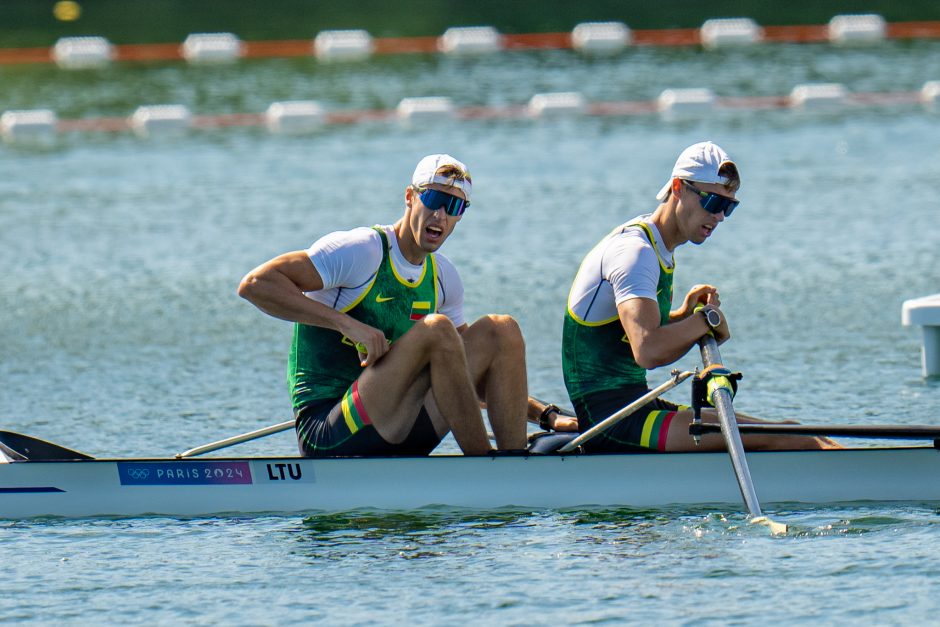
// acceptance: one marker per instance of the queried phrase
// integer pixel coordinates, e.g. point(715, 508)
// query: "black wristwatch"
point(543, 417)
point(712, 317)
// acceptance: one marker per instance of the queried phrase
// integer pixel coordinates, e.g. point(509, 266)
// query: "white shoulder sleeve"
point(449, 290)
point(631, 266)
point(347, 258)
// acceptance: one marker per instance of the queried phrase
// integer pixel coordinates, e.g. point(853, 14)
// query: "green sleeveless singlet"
point(323, 363)
point(596, 356)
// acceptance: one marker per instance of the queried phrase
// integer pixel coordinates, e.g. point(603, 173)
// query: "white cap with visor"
point(427, 173)
point(699, 163)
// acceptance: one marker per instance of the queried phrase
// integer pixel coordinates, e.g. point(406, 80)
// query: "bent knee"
point(439, 329)
point(502, 330)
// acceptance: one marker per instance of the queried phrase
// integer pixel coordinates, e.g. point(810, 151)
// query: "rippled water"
point(121, 333)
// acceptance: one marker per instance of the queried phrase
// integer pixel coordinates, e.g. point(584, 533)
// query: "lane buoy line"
point(590, 37)
point(302, 116)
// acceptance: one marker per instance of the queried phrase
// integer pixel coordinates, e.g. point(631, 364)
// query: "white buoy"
point(470, 40)
point(734, 31)
point(686, 101)
point(212, 48)
point(930, 93)
point(28, 125)
point(925, 313)
point(423, 109)
point(294, 116)
point(80, 53)
point(818, 96)
point(601, 37)
point(161, 120)
point(343, 45)
point(857, 29)
point(557, 103)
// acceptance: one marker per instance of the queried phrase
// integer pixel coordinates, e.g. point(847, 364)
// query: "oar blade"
point(776, 528)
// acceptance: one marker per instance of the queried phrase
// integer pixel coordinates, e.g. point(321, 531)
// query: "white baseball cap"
point(699, 163)
point(427, 173)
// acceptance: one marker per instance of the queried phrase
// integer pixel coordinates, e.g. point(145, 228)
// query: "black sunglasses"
point(714, 203)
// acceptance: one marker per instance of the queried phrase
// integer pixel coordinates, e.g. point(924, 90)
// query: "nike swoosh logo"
point(382, 299)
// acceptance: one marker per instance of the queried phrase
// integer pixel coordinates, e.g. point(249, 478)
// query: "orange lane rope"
point(429, 45)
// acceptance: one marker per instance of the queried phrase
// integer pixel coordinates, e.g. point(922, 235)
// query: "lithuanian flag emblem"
point(420, 309)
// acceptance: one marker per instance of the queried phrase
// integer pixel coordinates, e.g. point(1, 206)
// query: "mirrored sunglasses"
point(434, 200)
point(714, 203)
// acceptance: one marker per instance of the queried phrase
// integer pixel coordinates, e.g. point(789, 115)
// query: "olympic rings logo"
point(138, 473)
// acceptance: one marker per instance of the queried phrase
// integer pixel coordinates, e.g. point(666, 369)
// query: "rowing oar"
point(720, 391)
point(238, 439)
point(610, 421)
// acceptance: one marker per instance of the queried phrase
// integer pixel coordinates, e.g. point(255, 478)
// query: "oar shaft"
point(238, 439)
point(721, 399)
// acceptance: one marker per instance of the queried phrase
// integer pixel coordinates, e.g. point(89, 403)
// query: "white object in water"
point(557, 103)
point(212, 48)
point(601, 37)
point(79, 53)
point(470, 40)
point(690, 100)
point(425, 109)
point(818, 95)
point(28, 125)
point(734, 31)
point(294, 116)
point(343, 45)
point(161, 120)
point(930, 93)
point(851, 29)
point(925, 313)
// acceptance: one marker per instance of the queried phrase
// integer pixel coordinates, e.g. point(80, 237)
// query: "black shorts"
point(341, 428)
point(644, 429)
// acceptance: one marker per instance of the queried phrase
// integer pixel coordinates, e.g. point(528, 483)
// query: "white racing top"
point(348, 260)
point(622, 266)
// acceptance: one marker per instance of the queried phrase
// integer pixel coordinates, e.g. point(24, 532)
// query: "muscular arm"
point(654, 345)
point(277, 288)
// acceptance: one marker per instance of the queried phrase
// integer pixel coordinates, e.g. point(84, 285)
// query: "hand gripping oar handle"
point(237, 439)
point(720, 397)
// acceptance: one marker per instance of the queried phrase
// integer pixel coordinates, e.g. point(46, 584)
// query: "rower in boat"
point(619, 321)
point(382, 360)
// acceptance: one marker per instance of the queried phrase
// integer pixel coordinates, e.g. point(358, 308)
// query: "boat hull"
point(189, 487)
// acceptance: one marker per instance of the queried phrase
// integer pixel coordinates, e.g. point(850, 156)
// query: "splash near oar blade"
point(720, 392)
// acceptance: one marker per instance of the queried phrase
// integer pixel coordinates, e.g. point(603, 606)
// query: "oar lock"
point(704, 385)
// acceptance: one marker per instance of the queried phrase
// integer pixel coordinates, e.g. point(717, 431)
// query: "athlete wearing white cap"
point(619, 320)
point(382, 361)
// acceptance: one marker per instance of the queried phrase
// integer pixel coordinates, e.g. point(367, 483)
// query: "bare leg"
point(429, 357)
point(678, 438)
point(496, 357)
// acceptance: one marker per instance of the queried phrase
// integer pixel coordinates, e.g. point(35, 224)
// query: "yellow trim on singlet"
point(364, 293)
point(571, 313)
point(585, 323)
point(401, 280)
point(437, 300)
point(649, 234)
point(424, 269)
point(654, 243)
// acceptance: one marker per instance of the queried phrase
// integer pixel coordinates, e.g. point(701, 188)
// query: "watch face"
point(712, 317)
